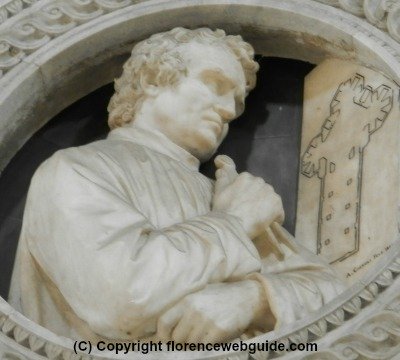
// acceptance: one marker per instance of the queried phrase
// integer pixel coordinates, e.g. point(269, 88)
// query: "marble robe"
point(117, 231)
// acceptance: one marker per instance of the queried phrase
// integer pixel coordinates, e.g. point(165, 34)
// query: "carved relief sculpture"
point(123, 238)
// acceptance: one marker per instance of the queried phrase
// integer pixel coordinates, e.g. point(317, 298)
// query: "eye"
point(219, 84)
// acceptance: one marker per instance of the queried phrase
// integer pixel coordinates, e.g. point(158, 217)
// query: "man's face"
point(195, 114)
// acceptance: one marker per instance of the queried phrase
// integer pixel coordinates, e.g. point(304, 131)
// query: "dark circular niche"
point(265, 141)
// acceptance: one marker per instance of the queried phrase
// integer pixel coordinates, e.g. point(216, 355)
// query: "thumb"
point(226, 172)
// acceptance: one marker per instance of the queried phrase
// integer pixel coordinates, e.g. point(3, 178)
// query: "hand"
point(245, 196)
point(219, 312)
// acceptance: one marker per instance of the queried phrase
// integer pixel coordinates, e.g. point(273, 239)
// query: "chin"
point(206, 156)
point(206, 151)
point(205, 144)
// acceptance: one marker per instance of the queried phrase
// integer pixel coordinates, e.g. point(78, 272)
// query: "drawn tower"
point(335, 155)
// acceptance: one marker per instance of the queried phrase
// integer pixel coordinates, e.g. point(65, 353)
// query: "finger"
point(224, 160)
point(214, 334)
point(196, 335)
point(220, 174)
point(268, 187)
point(226, 163)
point(226, 172)
point(183, 328)
point(280, 217)
point(274, 243)
point(284, 236)
point(244, 180)
point(198, 331)
point(167, 322)
point(222, 181)
point(251, 185)
point(255, 189)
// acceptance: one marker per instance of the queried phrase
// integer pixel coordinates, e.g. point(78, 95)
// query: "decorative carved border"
point(372, 313)
point(383, 14)
point(374, 335)
point(9, 8)
point(31, 29)
point(24, 32)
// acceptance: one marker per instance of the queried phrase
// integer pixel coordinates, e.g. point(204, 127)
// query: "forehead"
point(200, 57)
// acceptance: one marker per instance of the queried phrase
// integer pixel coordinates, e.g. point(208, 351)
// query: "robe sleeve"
point(296, 281)
point(116, 271)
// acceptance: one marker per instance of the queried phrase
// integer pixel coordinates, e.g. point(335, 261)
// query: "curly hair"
point(156, 62)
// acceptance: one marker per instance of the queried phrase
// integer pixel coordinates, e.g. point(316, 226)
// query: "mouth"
point(215, 121)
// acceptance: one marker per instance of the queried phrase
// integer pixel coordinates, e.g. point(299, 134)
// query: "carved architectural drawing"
point(336, 155)
point(348, 177)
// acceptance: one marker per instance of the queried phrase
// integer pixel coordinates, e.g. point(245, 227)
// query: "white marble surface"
point(305, 30)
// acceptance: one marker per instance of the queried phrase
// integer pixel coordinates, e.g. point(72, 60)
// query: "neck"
point(151, 127)
point(156, 140)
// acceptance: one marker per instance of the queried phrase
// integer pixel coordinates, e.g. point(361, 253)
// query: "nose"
point(226, 108)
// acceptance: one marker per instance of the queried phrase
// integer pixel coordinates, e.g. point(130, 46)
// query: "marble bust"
point(123, 238)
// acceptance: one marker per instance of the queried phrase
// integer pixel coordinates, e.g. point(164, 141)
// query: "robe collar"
point(156, 141)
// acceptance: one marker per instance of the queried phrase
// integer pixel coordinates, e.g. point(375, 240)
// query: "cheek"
point(179, 111)
point(166, 106)
point(196, 96)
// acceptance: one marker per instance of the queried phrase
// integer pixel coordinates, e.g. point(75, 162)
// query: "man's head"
point(188, 84)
